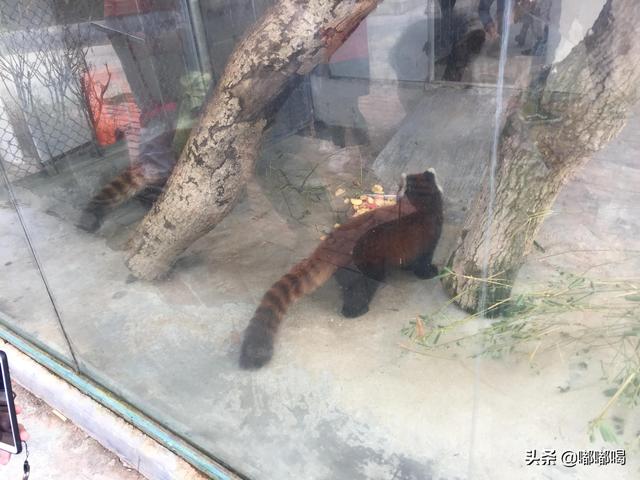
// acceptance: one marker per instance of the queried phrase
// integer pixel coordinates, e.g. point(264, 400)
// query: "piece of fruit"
point(420, 330)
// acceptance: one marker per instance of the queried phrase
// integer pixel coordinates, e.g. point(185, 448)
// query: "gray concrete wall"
point(576, 18)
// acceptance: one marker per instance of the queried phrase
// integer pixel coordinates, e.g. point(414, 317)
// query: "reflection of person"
point(446, 15)
point(144, 36)
point(446, 8)
point(492, 28)
point(545, 20)
point(348, 66)
point(540, 17)
point(447, 5)
point(527, 12)
point(24, 436)
point(523, 12)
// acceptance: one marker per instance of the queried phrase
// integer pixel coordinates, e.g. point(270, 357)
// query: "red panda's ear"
point(431, 172)
point(402, 187)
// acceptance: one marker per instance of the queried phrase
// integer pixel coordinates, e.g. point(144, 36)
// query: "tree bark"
point(290, 39)
point(590, 91)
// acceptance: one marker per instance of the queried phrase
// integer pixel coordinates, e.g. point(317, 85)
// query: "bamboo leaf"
point(607, 434)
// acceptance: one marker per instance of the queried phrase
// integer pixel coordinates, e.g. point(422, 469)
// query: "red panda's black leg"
point(91, 217)
point(422, 266)
point(357, 290)
point(356, 299)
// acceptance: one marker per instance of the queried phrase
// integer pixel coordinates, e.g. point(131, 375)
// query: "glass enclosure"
point(519, 344)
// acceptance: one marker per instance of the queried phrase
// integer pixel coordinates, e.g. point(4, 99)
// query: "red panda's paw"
point(426, 271)
point(354, 310)
point(89, 221)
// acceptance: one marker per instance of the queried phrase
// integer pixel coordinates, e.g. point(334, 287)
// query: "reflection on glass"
point(281, 164)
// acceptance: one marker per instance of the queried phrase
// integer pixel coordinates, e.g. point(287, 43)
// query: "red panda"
point(358, 253)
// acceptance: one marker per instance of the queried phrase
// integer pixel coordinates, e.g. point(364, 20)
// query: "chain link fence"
point(52, 94)
point(43, 111)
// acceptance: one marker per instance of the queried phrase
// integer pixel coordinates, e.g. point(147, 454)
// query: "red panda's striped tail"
point(130, 182)
point(304, 278)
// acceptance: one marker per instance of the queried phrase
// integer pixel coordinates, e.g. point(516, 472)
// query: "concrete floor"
point(341, 399)
point(59, 449)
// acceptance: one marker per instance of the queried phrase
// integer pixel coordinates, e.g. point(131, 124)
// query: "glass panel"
point(491, 94)
point(25, 305)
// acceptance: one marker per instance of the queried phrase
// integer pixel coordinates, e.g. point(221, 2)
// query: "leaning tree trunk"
point(591, 91)
point(290, 39)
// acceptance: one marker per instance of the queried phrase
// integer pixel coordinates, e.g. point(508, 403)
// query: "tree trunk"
point(290, 39)
point(590, 91)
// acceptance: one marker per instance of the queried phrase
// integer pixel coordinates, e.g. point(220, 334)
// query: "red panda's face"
point(416, 186)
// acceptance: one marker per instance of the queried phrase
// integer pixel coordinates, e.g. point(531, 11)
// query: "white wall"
point(576, 18)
